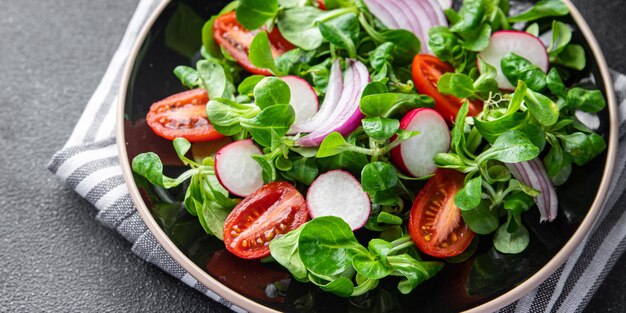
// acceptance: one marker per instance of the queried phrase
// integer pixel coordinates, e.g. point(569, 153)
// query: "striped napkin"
point(89, 164)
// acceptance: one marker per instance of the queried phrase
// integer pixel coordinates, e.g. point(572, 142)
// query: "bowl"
point(486, 282)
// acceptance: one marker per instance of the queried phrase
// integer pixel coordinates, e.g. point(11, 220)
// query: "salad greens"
point(537, 120)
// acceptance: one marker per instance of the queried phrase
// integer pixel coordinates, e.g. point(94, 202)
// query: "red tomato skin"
point(235, 39)
point(439, 191)
point(177, 111)
point(426, 70)
point(273, 209)
point(321, 4)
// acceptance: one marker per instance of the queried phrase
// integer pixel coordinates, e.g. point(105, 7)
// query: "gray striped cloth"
point(89, 164)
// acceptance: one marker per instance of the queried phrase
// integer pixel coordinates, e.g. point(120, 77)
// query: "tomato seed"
point(427, 237)
point(454, 237)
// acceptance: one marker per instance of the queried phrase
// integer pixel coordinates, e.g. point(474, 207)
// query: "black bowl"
point(488, 281)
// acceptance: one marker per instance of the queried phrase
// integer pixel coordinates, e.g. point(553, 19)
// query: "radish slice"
point(533, 173)
point(236, 170)
point(521, 43)
point(333, 95)
point(415, 156)
point(445, 4)
point(338, 193)
point(416, 16)
point(346, 116)
point(303, 100)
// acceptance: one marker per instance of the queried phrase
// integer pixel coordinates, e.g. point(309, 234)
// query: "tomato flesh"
point(182, 115)
point(273, 209)
point(236, 40)
point(427, 70)
point(435, 222)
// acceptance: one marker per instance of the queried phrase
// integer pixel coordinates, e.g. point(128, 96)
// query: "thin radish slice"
point(236, 170)
point(519, 42)
point(415, 156)
point(333, 95)
point(338, 193)
point(533, 173)
point(346, 116)
point(303, 100)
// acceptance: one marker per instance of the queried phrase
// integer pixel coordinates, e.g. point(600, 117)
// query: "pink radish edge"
point(226, 183)
point(323, 210)
point(398, 156)
point(522, 51)
point(303, 100)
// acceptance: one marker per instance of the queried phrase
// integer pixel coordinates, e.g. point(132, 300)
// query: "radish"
point(519, 42)
point(303, 100)
point(415, 156)
point(338, 193)
point(236, 170)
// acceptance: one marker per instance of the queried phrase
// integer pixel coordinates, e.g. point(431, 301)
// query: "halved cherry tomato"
point(233, 37)
point(182, 115)
point(435, 222)
point(273, 209)
point(426, 72)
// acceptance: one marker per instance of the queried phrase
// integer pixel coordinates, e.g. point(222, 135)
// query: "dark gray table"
point(54, 256)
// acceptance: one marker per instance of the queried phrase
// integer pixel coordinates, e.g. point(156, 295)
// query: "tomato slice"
point(233, 37)
point(273, 209)
point(426, 72)
point(435, 222)
point(182, 115)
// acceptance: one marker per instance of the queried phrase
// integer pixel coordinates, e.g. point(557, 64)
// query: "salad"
point(354, 140)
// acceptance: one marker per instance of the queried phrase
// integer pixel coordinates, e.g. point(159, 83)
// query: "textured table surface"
point(54, 256)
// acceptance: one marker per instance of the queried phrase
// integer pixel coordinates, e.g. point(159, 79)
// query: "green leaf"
point(382, 55)
point(225, 115)
point(304, 170)
point(518, 202)
point(512, 146)
point(332, 145)
point(343, 32)
point(284, 249)
point(377, 104)
point(247, 85)
point(293, 61)
point(407, 45)
point(533, 29)
point(561, 36)
point(252, 14)
point(327, 245)
point(369, 266)
point(583, 147)
point(471, 16)
point(555, 84)
point(541, 9)
point(214, 216)
point(274, 119)
point(458, 85)
point(486, 82)
point(511, 243)
point(481, 220)
point(516, 68)
point(379, 128)
point(188, 76)
point(542, 108)
point(415, 272)
point(457, 133)
point(480, 40)
point(149, 166)
point(573, 56)
point(586, 100)
point(299, 26)
point(214, 79)
point(388, 218)
point(340, 286)
point(469, 197)
point(260, 53)
point(268, 169)
point(374, 88)
point(183, 31)
point(378, 176)
point(271, 91)
point(182, 146)
point(348, 160)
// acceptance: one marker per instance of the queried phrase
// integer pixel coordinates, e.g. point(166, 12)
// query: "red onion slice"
point(533, 173)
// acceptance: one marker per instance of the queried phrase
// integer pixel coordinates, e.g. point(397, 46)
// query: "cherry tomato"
point(235, 39)
point(435, 222)
point(321, 4)
point(247, 277)
point(273, 209)
point(182, 115)
point(426, 72)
